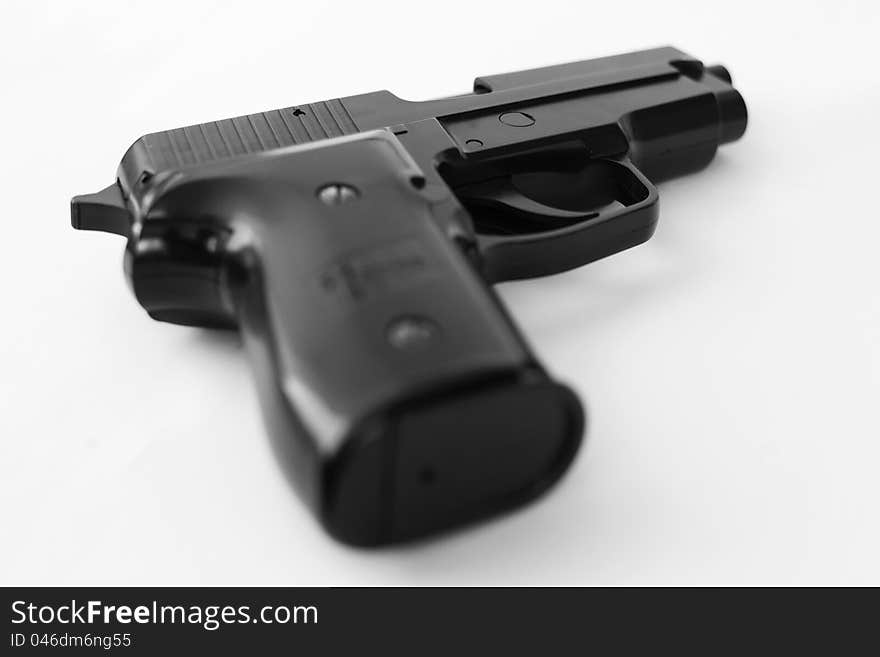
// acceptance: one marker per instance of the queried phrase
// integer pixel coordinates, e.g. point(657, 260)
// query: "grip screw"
point(337, 194)
point(411, 332)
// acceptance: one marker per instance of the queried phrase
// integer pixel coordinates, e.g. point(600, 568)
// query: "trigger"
point(499, 208)
point(536, 202)
point(501, 194)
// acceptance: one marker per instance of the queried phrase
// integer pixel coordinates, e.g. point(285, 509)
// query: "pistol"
point(353, 242)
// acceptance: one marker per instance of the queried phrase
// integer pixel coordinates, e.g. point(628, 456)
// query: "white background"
point(731, 365)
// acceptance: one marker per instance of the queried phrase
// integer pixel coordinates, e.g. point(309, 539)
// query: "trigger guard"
point(565, 238)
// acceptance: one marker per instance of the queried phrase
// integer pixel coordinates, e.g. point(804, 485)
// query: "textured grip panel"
point(253, 133)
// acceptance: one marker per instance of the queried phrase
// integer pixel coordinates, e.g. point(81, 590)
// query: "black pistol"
point(354, 241)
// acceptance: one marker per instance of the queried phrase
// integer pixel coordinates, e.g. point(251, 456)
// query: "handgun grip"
point(395, 387)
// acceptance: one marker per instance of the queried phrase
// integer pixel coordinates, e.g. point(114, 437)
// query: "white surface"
point(731, 365)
